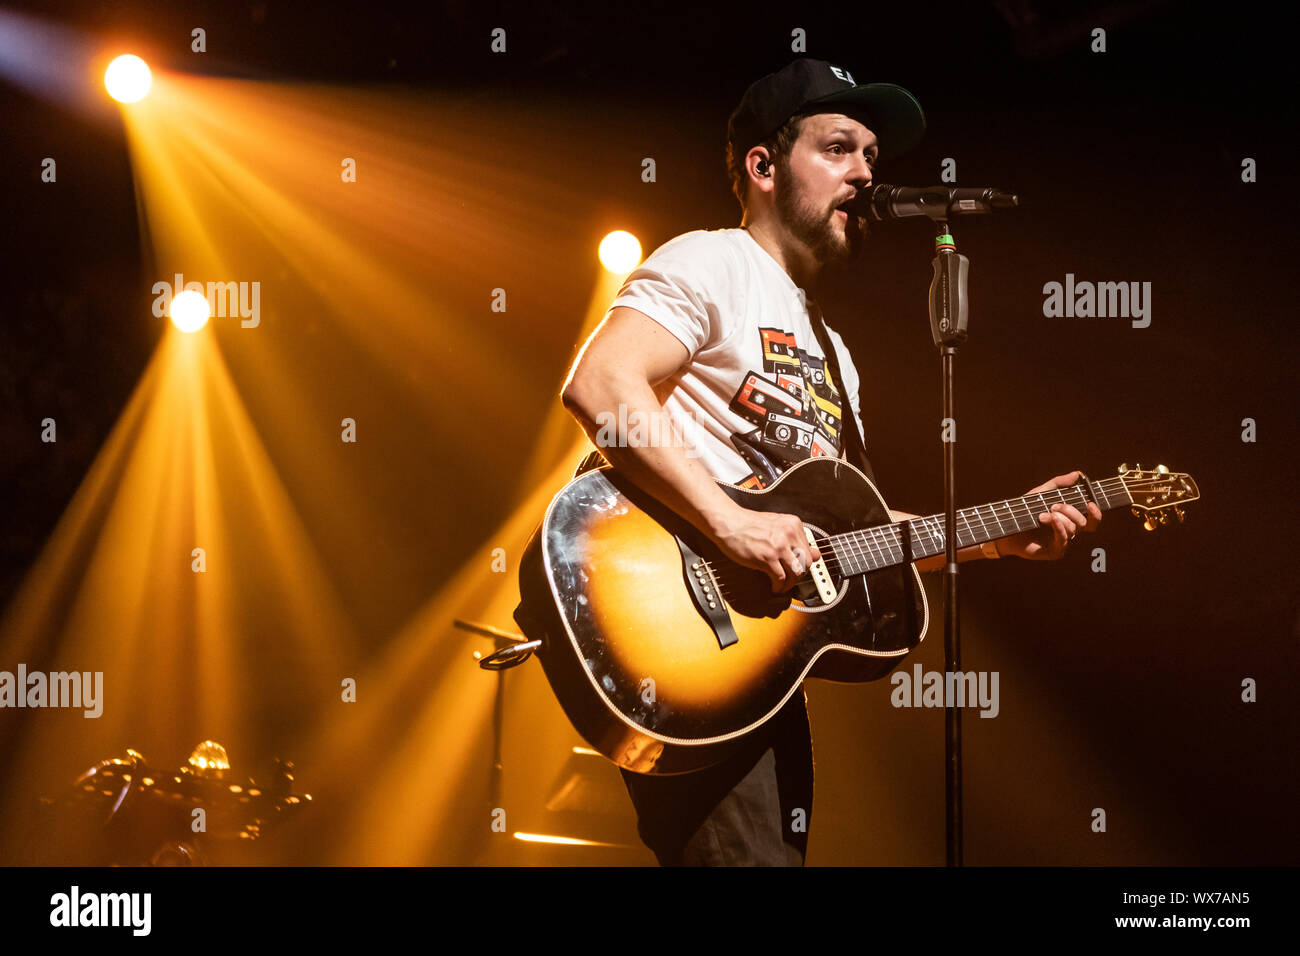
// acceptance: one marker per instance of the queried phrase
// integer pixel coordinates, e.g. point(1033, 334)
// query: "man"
point(721, 330)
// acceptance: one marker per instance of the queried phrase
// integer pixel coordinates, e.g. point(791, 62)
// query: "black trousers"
point(754, 809)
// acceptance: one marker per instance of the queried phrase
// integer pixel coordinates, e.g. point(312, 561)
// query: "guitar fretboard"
point(857, 552)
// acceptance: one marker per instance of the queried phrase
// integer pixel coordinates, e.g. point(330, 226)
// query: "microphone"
point(883, 201)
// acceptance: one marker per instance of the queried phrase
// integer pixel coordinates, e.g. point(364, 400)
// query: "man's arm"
point(618, 367)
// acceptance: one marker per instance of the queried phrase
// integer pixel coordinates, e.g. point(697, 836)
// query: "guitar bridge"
point(708, 601)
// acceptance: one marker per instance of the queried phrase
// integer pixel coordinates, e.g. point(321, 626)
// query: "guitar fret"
point(851, 560)
point(1014, 514)
point(969, 532)
point(869, 554)
point(874, 543)
point(1001, 530)
point(841, 553)
point(895, 542)
point(862, 552)
point(938, 529)
point(1024, 505)
point(848, 560)
point(915, 526)
point(1011, 515)
point(851, 553)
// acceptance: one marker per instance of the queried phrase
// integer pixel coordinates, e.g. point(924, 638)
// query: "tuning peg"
point(1161, 470)
point(1123, 469)
point(1164, 516)
point(1179, 511)
point(1149, 518)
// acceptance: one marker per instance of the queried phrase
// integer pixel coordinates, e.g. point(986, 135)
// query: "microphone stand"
point(949, 311)
point(948, 314)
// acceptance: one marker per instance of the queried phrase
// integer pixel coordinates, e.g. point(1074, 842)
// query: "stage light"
point(189, 311)
point(558, 840)
point(620, 252)
point(128, 79)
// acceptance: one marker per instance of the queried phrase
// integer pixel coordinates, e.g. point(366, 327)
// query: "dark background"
point(1129, 165)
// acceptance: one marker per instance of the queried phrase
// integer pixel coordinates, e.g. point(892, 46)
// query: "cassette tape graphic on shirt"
point(822, 446)
point(780, 352)
point(758, 396)
point(828, 416)
point(794, 385)
point(796, 408)
point(791, 433)
point(825, 395)
point(814, 371)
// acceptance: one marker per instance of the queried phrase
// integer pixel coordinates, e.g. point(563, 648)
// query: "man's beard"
point(817, 229)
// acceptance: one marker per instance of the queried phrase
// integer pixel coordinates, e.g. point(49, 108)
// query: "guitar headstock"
point(1158, 492)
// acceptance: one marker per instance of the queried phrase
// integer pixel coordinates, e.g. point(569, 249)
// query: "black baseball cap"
point(815, 86)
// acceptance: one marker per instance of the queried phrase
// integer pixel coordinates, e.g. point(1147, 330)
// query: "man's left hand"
point(1060, 525)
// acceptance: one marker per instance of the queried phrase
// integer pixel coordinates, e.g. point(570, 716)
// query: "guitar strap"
point(850, 437)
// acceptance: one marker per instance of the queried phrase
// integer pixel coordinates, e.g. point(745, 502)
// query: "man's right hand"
point(772, 543)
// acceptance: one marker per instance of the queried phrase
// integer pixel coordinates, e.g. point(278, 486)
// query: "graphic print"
point(795, 408)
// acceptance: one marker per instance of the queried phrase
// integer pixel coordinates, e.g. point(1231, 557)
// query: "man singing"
point(713, 319)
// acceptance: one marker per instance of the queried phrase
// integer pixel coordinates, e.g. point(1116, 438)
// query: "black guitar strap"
point(850, 438)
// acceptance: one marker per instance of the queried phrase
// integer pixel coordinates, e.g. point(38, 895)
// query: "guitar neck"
point(888, 544)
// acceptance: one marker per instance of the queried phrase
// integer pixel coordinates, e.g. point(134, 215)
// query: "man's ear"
point(758, 163)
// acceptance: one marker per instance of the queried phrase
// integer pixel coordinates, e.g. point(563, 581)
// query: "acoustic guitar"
point(664, 654)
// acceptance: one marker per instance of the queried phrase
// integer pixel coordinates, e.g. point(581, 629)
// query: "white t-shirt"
point(755, 396)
